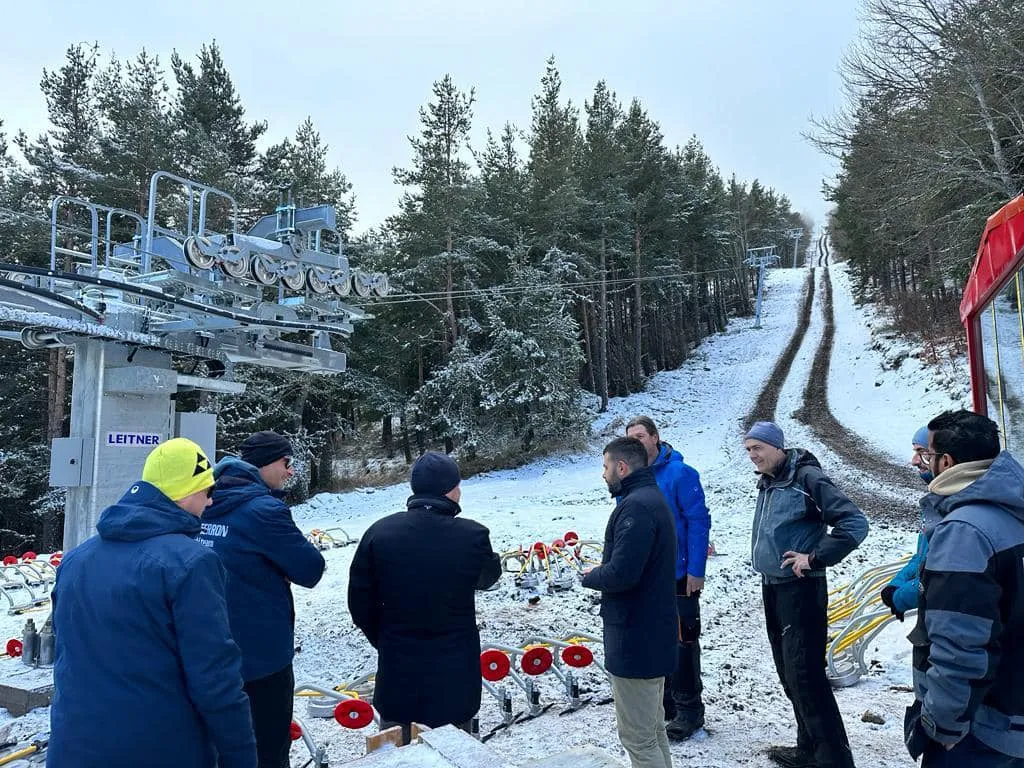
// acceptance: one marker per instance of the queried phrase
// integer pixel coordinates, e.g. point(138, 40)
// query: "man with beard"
point(636, 579)
point(969, 638)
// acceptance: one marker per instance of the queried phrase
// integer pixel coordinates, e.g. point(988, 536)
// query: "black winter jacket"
point(410, 591)
point(638, 582)
point(795, 509)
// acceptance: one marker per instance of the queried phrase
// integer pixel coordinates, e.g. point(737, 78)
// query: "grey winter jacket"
point(969, 638)
point(795, 509)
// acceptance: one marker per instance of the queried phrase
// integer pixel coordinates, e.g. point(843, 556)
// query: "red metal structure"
point(1000, 257)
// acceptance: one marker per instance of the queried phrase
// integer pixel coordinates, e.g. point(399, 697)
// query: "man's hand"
point(694, 584)
point(798, 561)
point(585, 571)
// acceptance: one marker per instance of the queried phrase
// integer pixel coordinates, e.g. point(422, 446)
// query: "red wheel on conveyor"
point(353, 714)
point(537, 661)
point(494, 665)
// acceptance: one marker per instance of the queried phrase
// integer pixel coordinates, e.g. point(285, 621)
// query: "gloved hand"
point(887, 594)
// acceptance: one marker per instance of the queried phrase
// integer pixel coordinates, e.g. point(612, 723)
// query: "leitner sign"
point(127, 439)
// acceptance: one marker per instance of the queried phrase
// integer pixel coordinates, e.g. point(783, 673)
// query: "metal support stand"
point(761, 258)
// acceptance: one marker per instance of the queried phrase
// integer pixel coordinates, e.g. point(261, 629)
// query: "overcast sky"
point(745, 76)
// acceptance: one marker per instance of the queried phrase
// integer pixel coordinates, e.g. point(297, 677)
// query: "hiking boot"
point(791, 757)
point(683, 726)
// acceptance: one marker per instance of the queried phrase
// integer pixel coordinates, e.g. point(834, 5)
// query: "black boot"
point(791, 757)
point(684, 725)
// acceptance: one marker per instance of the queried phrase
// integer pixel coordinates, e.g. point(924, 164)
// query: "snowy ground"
point(698, 408)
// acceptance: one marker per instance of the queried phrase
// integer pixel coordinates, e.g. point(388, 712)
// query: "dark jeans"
point(968, 752)
point(796, 619)
point(683, 687)
point(270, 700)
point(407, 728)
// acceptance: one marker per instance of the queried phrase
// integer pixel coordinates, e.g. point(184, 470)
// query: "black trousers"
point(968, 752)
point(683, 688)
point(796, 618)
point(270, 700)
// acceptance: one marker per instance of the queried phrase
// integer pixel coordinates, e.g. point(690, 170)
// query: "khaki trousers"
point(640, 720)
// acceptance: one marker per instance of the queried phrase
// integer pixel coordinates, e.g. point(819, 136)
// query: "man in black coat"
point(411, 590)
point(638, 602)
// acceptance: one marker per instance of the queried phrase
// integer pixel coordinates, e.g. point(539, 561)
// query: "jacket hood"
point(795, 458)
point(142, 513)
point(1002, 485)
point(237, 482)
point(666, 455)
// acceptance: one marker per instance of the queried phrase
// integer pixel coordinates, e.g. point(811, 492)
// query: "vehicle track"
point(768, 399)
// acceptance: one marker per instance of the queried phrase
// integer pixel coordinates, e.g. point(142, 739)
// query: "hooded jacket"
point(637, 582)
point(411, 591)
point(251, 529)
point(680, 484)
point(969, 637)
point(146, 672)
point(795, 509)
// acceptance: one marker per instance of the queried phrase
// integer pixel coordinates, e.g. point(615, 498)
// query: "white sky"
point(745, 76)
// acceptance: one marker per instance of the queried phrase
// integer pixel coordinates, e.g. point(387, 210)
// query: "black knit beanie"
point(265, 448)
point(434, 474)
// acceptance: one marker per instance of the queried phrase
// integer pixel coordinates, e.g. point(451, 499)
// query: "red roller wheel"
point(558, 544)
point(14, 647)
point(295, 731)
point(541, 549)
point(55, 561)
point(30, 555)
point(571, 538)
point(10, 560)
point(577, 656)
point(353, 713)
point(537, 661)
point(494, 665)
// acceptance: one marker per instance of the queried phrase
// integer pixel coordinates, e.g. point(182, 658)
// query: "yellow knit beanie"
point(178, 468)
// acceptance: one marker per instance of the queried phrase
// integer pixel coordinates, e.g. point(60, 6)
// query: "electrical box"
point(71, 462)
point(200, 428)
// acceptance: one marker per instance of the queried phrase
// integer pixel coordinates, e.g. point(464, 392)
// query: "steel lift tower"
point(173, 290)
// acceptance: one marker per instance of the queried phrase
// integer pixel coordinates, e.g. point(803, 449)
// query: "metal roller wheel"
point(341, 284)
point(195, 255)
point(264, 270)
point(238, 269)
point(362, 284)
point(317, 281)
point(381, 286)
point(296, 280)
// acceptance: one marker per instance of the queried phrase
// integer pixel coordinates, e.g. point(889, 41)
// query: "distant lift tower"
point(172, 290)
point(795, 235)
point(761, 258)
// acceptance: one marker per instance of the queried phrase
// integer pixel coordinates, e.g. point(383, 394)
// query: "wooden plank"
point(391, 736)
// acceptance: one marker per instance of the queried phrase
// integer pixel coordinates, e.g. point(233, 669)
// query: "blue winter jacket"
point(252, 530)
point(146, 672)
point(680, 484)
point(908, 580)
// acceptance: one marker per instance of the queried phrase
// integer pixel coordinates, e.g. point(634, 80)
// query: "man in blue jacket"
point(680, 484)
point(146, 672)
point(636, 579)
point(900, 594)
point(252, 530)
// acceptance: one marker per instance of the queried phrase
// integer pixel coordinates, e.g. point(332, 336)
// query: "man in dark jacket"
point(636, 579)
point(680, 485)
point(411, 591)
point(969, 638)
point(251, 528)
point(146, 672)
point(792, 546)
